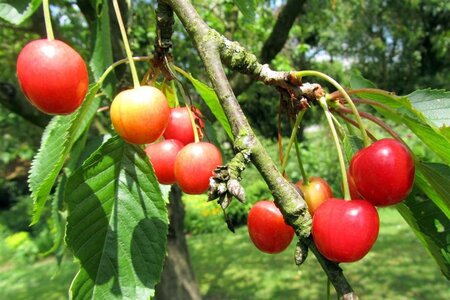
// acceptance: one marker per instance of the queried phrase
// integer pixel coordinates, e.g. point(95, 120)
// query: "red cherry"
point(180, 126)
point(383, 172)
point(140, 115)
point(316, 192)
point(345, 231)
point(267, 228)
point(194, 165)
point(53, 76)
point(162, 156)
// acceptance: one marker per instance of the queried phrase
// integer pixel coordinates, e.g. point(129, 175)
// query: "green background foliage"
point(401, 46)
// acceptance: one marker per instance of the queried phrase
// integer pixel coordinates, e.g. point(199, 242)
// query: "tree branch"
point(210, 46)
point(205, 40)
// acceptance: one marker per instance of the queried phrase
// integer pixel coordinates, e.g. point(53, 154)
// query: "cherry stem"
point(339, 130)
point(48, 20)
point(177, 102)
point(362, 90)
point(344, 93)
point(280, 136)
point(120, 62)
point(292, 139)
point(353, 123)
point(376, 121)
point(126, 44)
point(191, 114)
point(323, 104)
point(300, 163)
point(194, 127)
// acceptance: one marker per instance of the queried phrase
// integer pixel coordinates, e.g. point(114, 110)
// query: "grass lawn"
point(228, 266)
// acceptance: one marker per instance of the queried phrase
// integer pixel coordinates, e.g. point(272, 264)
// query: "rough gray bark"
point(178, 279)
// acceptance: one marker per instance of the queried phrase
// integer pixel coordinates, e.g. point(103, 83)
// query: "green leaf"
point(433, 104)
point(170, 92)
point(357, 81)
point(17, 11)
point(210, 98)
point(102, 55)
point(117, 224)
point(352, 144)
point(431, 226)
point(434, 180)
point(56, 143)
point(247, 8)
point(400, 109)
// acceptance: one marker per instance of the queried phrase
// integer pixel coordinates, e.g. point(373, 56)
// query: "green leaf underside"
point(57, 140)
point(357, 81)
point(401, 111)
point(433, 104)
point(117, 224)
point(431, 226)
point(434, 180)
point(352, 144)
point(210, 98)
point(17, 11)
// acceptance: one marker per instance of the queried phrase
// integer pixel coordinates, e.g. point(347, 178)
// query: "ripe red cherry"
point(180, 126)
point(53, 76)
point(267, 228)
point(345, 231)
point(316, 192)
point(140, 115)
point(194, 165)
point(162, 156)
point(383, 172)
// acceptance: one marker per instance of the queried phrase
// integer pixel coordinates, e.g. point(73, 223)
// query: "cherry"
point(194, 165)
point(53, 76)
point(345, 231)
point(180, 126)
point(140, 115)
point(162, 156)
point(383, 172)
point(315, 193)
point(267, 228)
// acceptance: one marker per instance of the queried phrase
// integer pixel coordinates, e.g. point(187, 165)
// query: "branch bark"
point(211, 47)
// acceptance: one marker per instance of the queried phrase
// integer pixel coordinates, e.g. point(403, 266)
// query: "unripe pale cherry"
point(315, 193)
point(140, 115)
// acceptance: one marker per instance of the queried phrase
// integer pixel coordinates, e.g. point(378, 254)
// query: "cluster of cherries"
point(344, 231)
point(179, 159)
point(381, 174)
point(54, 78)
